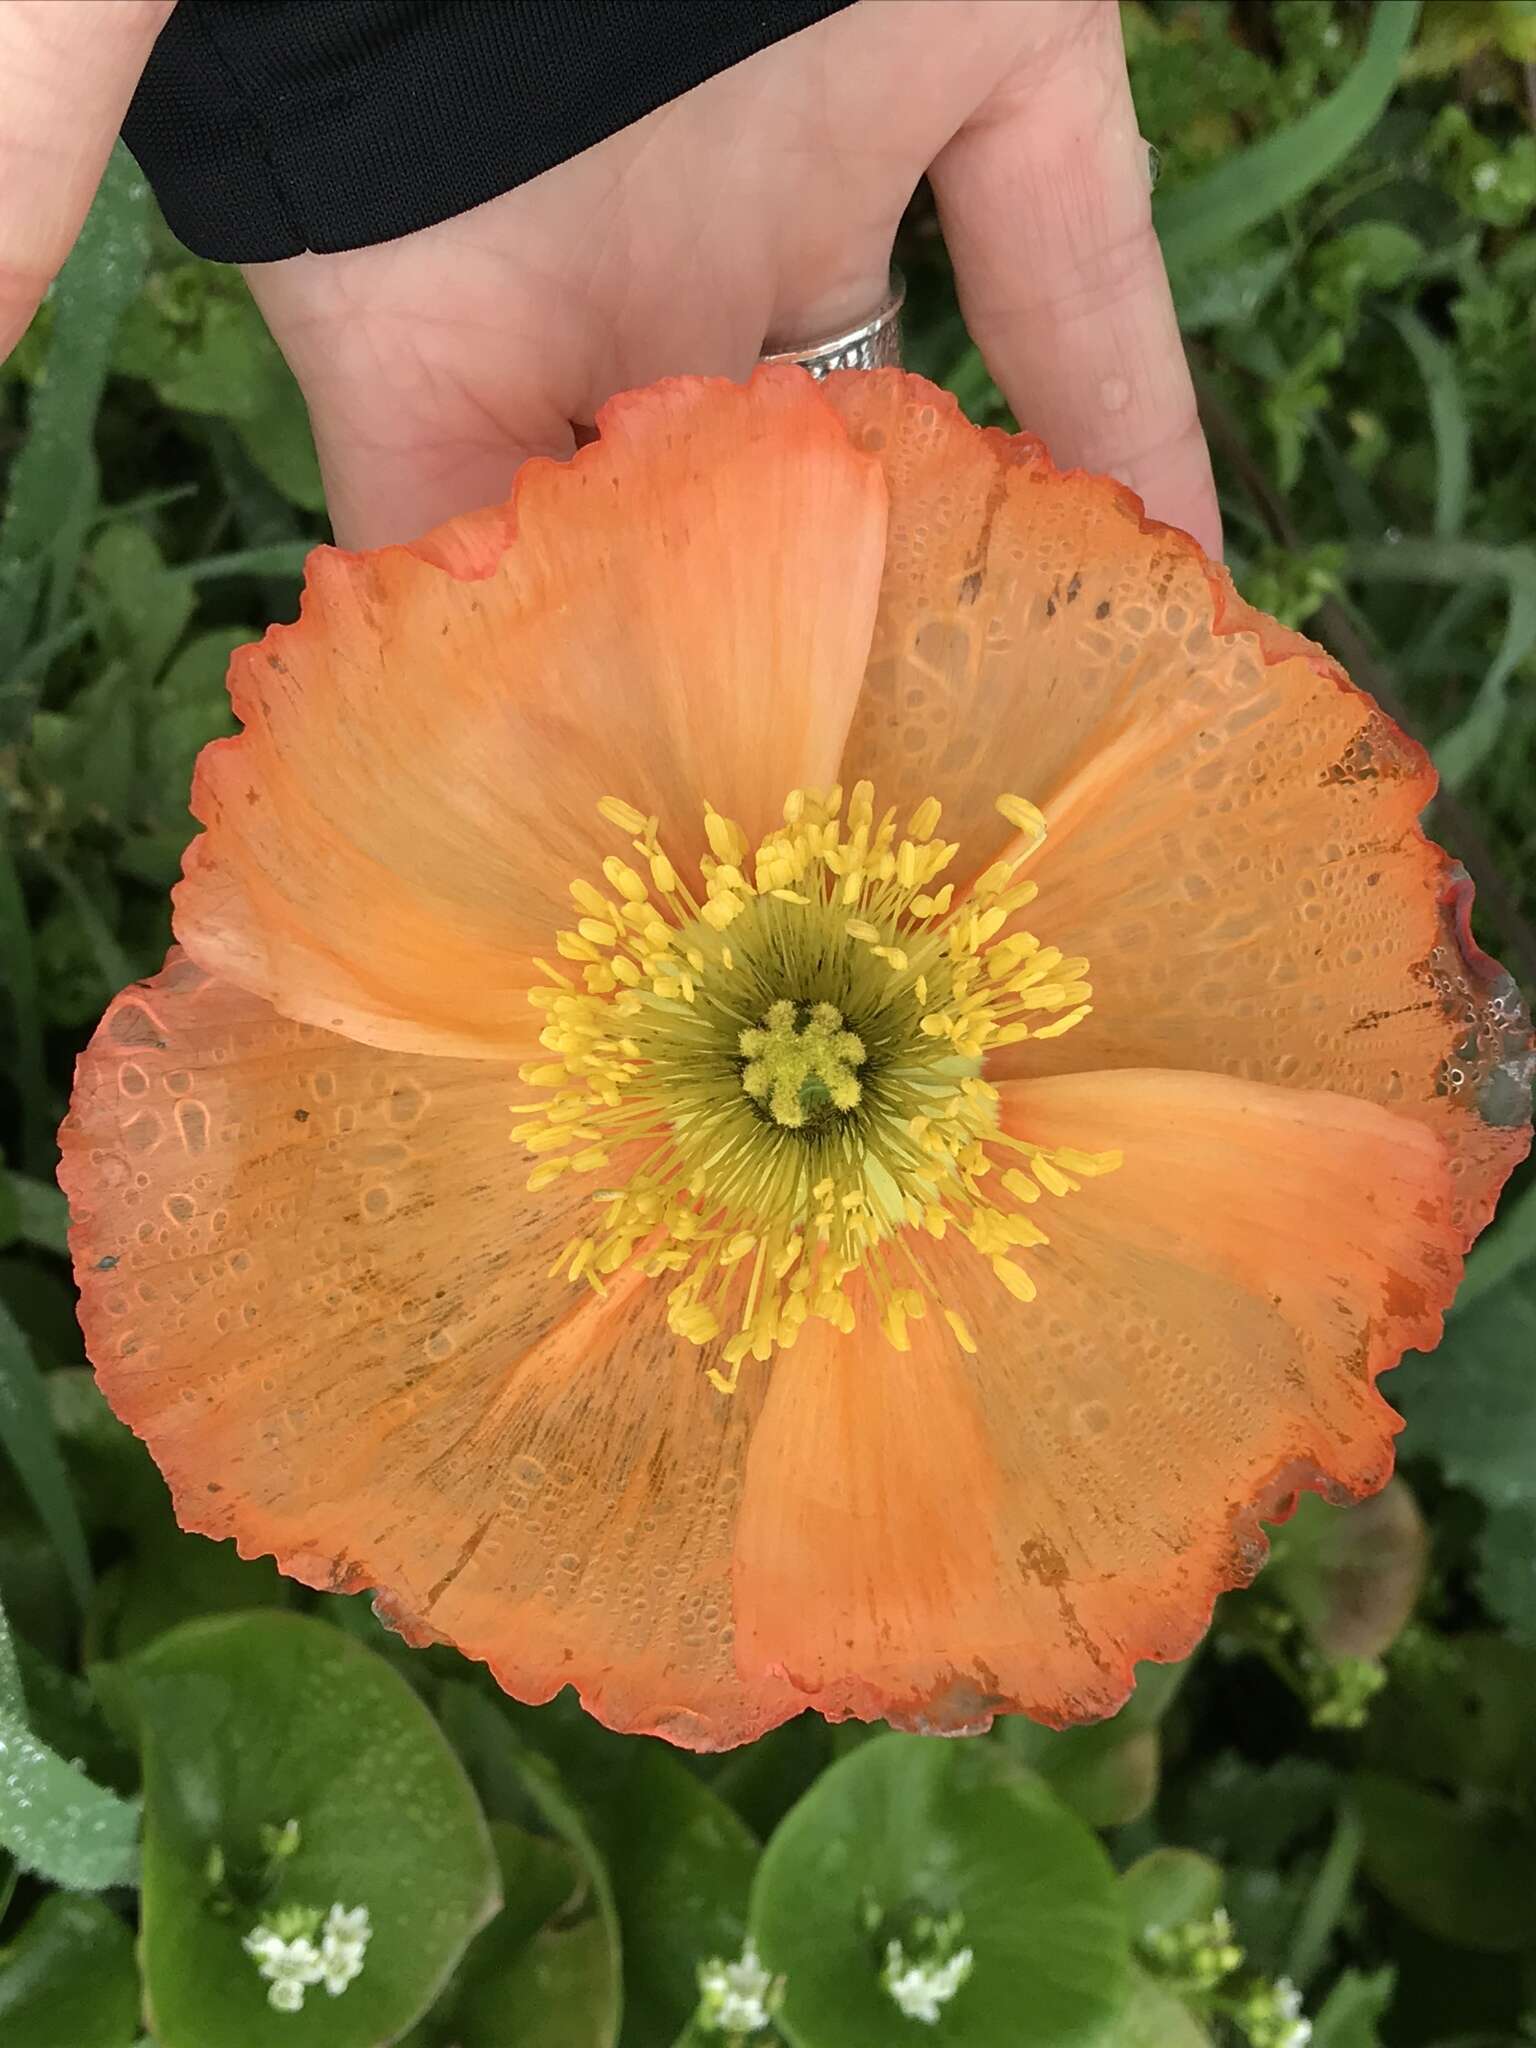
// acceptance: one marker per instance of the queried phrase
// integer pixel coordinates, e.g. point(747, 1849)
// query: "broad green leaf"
point(53, 479)
point(53, 1820)
point(1153, 2018)
point(149, 608)
point(682, 1866)
point(906, 1825)
point(1459, 1713)
point(1196, 220)
point(1465, 1874)
point(27, 1435)
point(253, 1720)
point(68, 1980)
point(764, 1779)
point(173, 1577)
point(1351, 1575)
point(1228, 288)
point(1108, 1771)
point(1347, 2017)
point(1502, 1251)
point(1167, 1887)
point(1472, 1404)
point(542, 1975)
point(189, 708)
point(517, 1783)
point(282, 447)
point(1506, 1577)
point(42, 1214)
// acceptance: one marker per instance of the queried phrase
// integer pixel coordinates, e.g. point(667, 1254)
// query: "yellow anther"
point(924, 821)
point(727, 840)
point(840, 1136)
point(1024, 817)
point(624, 815)
point(621, 877)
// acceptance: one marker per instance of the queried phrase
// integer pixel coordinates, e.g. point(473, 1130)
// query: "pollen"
point(771, 1071)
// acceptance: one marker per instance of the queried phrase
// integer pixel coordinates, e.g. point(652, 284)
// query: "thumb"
point(67, 72)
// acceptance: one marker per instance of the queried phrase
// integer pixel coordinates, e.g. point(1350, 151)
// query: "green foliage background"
point(1349, 1763)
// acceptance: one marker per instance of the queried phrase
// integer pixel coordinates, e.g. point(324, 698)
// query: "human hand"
point(761, 207)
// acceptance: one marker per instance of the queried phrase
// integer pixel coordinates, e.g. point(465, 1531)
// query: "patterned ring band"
point(871, 344)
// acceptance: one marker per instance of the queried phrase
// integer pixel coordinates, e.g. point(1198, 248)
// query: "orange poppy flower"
point(614, 1169)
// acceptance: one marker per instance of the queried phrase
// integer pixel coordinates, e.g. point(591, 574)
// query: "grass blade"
point(1464, 749)
point(53, 480)
point(29, 1438)
point(1447, 420)
point(1195, 221)
point(19, 986)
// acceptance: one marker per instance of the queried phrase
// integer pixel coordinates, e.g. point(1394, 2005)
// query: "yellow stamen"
point(789, 1122)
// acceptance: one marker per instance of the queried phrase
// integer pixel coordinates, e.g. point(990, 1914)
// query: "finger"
point(67, 72)
point(1045, 203)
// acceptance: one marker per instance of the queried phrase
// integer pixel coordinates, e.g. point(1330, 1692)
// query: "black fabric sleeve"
point(268, 127)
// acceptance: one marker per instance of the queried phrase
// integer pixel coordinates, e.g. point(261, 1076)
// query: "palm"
point(763, 205)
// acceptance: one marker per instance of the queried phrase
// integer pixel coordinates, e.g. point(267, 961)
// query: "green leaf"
point(1464, 1874)
point(1327, 1899)
point(1196, 220)
point(1469, 743)
point(173, 1577)
point(19, 985)
point(1448, 422)
point(1227, 289)
point(1351, 1575)
point(69, 1980)
point(1458, 1714)
point(253, 1720)
point(1347, 2016)
point(682, 1866)
point(1472, 1404)
point(516, 1783)
point(1108, 1771)
point(1153, 2018)
point(1502, 1251)
point(543, 1974)
point(1167, 1887)
point(1506, 1577)
point(906, 1826)
point(149, 607)
point(53, 478)
point(189, 708)
point(42, 1214)
point(27, 1435)
point(52, 1818)
point(282, 447)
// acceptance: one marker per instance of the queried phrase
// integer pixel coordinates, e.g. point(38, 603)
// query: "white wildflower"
point(288, 1956)
point(343, 1946)
point(289, 1966)
point(1487, 176)
point(1298, 2032)
point(736, 1998)
point(921, 1990)
point(1270, 2016)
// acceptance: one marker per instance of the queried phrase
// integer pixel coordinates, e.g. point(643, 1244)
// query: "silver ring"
point(873, 343)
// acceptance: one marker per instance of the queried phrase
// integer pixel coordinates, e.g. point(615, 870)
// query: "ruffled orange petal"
point(312, 1281)
point(934, 1537)
point(1234, 839)
point(681, 612)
